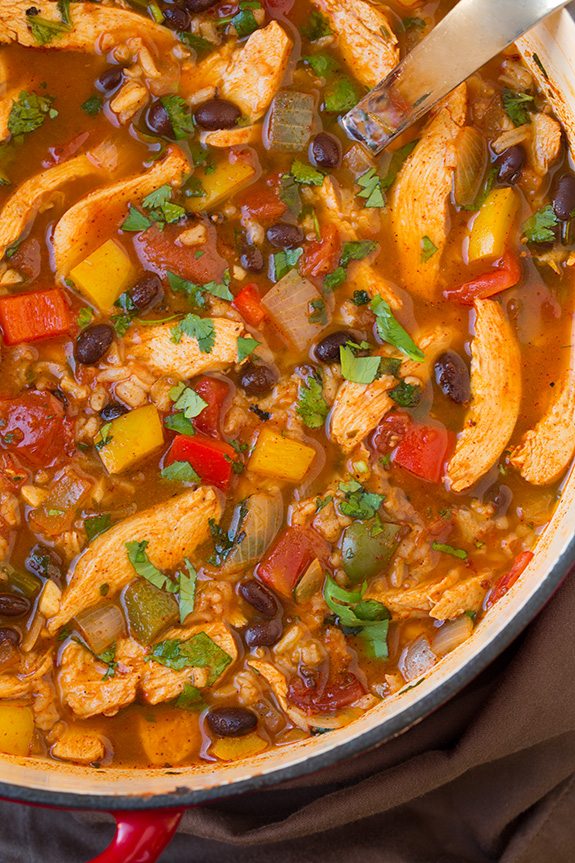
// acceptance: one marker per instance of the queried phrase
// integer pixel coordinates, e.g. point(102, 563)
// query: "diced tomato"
point(33, 316)
point(423, 450)
point(262, 202)
point(337, 693)
point(33, 427)
point(507, 274)
point(160, 251)
point(249, 304)
point(507, 580)
point(322, 256)
point(289, 558)
point(213, 391)
point(211, 459)
point(390, 431)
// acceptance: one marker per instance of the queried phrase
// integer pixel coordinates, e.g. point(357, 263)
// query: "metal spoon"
point(473, 32)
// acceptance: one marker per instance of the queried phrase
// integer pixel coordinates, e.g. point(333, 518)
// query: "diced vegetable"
point(367, 548)
point(492, 225)
point(423, 451)
point(281, 458)
point(60, 507)
point(322, 256)
point(291, 304)
point(470, 166)
point(101, 626)
point(35, 428)
point(227, 178)
point(506, 274)
point(214, 392)
point(263, 203)
point(249, 304)
point(291, 120)
point(254, 526)
point(451, 635)
point(149, 610)
point(507, 581)
point(310, 583)
point(104, 275)
point(212, 460)
point(25, 582)
point(290, 557)
point(337, 693)
point(171, 737)
point(16, 729)
point(234, 748)
point(130, 438)
point(34, 316)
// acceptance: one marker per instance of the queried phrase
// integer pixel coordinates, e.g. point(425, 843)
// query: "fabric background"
point(489, 778)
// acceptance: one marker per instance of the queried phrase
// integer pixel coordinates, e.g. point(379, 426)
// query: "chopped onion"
point(451, 635)
point(101, 626)
point(258, 519)
point(416, 659)
point(470, 166)
point(290, 303)
point(511, 137)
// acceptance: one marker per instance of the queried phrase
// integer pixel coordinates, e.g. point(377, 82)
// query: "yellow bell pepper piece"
point(280, 457)
point(234, 748)
point(220, 184)
point(173, 736)
point(493, 224)
point(16, 729)
point(130, 438)
point(104, 275)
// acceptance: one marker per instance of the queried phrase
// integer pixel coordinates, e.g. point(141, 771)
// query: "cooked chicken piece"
point(545, 452)
point(357, 410)
point(495, 397)
point(239, 136)
point(32, 668)
point(412, 601)
point(365, 38)
point(78, 747)
point(545, 143)
point(45, 705)
point(362, 276)
point(87, 224)
point(173, 529)
point(419, 199)
point(37, 193)
point(160, 683)
point(279, 687)
point(156, 348)
point(130, 98)
point(432, 342)
point(249, 75)
point(89, 687)
point(95, 28)
point(464, 596)
point(340, 206)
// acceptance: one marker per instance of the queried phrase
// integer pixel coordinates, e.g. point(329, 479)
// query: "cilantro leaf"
point(201, 329)
point(391, 331)
point(199, 651)
point(139, 559)
point(187, 589)
point(311, 405)
point(318, 313)
point(358, 502)
point(180, 115)
point(246, 346)
point(135, 221)
point(360, 370)
point(360, 298)
point(539, 227)
point(290, 195)
point(370, 617)
point(322, 65)
point(285, 261)
point(428, 249)
point(413, 23)
point(44, 30)
point(157, 197)
point(94, 525)
point(317, 26)
point(396, 163)
point(305, 174)
point(180, 471)
point(371, 189)
point(190, 698)
point(244, 21)
point(85, 316)
point(334, 279)
point(195, 292)
point(29, 112)
point(92, 106)
point(516, 106)
point(195, 42)
point(356, 251)
point(340, 95)
point(405, 395)
point(460, 553)
point(178, 423)
point(187, 401)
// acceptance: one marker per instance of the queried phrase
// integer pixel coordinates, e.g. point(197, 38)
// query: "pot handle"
point(141, 836)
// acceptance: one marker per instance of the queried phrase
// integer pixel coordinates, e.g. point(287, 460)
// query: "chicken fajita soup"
point(279, 422)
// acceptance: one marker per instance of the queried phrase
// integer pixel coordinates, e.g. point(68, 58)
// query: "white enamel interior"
point(554, 44)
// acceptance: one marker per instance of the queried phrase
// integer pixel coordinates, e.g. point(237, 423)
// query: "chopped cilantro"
point(180, 115)
point(195, 293)
point(285, 261)
point(322, 65)
point(322, 502)
point(85, 316)
point(179, 423)
point(190, 698)
point(311, 405)
point(135, 220)
point(92, 106)
point(29, 112)
point(360, 298)
point(517, 106)
point(104, 436)
point(121, 324)
point(64, 10)
point(406, 395)
point(180, 471)
point(539, 227)
point(428, 249)
point(359, 370)
point(317, 26)
point(262, 415)
point(244, 21)
point(246, 346)
point(94, 525)
point(290, 195)
point(414, 23)
point(187, 589)
point(358, 502)
point(540, 66)
point(396, 163)
point(195, 42)
point(306, 175)
point(334, 279)
point(371, 189)
point(44, 30)
point(187, 401)
point(460, 553)
point(391, 331)
point(370, 617)
point(356, 251)
point(317, 314)
point(199, 651)
point(340, 95)
point(201, 329)
point(390, 366)
point(138, 557)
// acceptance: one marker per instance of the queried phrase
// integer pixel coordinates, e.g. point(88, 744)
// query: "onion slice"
point(255, 523)
point(101, 626)
point(451, 635)
point(297, 309)
point(471, 164)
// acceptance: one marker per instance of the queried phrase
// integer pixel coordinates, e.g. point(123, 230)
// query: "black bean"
point(9, 634)
point(509, 164)
point(44, 562)
point(217, 114)
point(231, 721)
point(264, 634)
point(92, 343)
point(259, 597)
point(257, 380)
point(327, 351)
point(564, 198)
point(147, 292)
point(159, 121)
point(252, 259)
point(199, 5)
point(325, 151)
point(284, 236)
point(112, 411)
point(176, 19)
point(12, 605)
point(452, 376)
point(110, 79)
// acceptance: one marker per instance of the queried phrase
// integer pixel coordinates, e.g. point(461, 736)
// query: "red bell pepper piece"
point(211, 459)
point(322, 256)
point(33, 316)
point(214, 392)
point(34, 428)
point(423, 450)
point(262, 202)
point(507, 274)
point(335, 694)
point(509, 578)
point(290, 556)
point(249, 304)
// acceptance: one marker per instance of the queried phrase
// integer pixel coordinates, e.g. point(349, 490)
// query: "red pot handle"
point(141, 836)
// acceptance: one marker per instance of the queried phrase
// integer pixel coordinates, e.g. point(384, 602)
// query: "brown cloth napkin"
point(489, 778)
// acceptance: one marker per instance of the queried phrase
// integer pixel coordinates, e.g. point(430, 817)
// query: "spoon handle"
point(470, 35)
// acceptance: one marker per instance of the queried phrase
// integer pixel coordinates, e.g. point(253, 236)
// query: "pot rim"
point(369, 739)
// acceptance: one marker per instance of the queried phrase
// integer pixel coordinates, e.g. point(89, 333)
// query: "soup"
point(279, 422)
